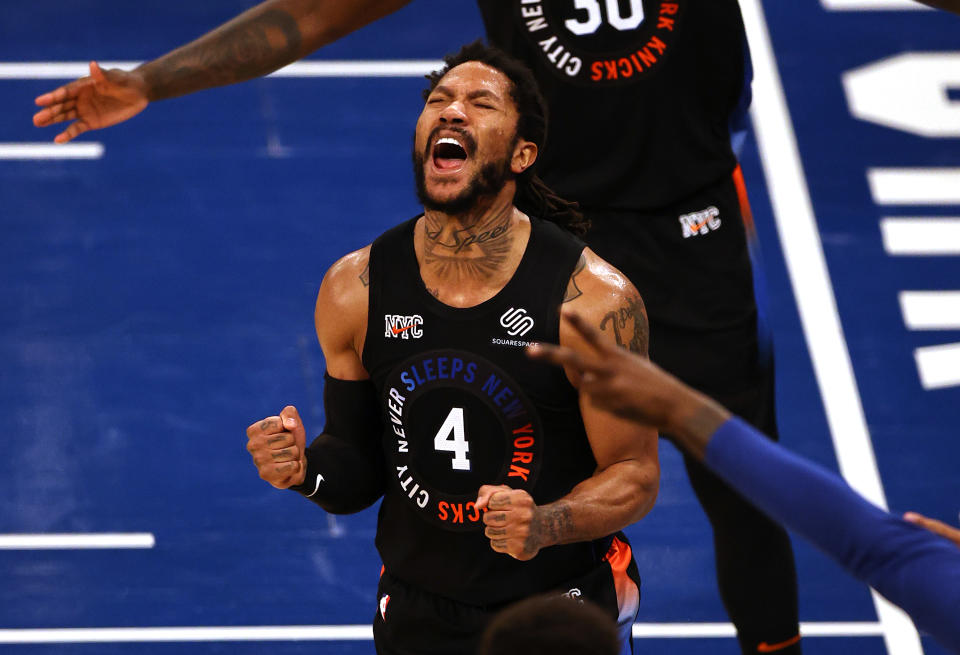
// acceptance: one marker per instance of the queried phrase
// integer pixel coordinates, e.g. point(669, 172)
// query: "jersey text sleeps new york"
point(459, 422)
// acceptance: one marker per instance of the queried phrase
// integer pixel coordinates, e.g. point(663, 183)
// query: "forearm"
point(342, 476)
point(257, 42)
point(608, 501)
point(345, 470)
point(910, 566)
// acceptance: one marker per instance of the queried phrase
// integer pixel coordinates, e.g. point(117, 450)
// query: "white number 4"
point(452, 437)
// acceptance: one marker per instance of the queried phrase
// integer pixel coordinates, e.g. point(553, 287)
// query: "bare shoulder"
point(348, 278)
point(601, 294)
point(341, 310)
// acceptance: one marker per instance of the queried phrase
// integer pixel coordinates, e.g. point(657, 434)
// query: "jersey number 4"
point(452, 437)
point(591, 22)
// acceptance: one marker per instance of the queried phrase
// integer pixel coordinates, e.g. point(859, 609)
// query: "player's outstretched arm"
point(624, 486)
point(915, 569)
point(257, 42)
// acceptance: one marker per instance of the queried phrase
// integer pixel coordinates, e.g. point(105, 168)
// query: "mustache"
point(469, 143)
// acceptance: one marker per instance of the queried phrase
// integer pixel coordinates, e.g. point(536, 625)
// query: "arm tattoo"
point(365, 275)
point(253, 47)
point(553, 526)
point(630, 326)
point(573, 291)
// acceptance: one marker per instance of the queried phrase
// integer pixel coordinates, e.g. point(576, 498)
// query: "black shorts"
point(691, 263)
point(410, 621)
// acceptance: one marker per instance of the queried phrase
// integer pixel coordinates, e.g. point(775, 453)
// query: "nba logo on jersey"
point(701, 222)
point(516, 321)
point(403, 327)
point(383, 606)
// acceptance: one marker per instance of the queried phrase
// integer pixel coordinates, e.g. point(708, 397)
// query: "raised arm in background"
point(255, 43)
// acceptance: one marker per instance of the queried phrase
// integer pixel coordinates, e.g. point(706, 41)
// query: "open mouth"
point(449, 154)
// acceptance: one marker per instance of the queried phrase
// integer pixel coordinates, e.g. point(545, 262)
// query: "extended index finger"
point(562, 356)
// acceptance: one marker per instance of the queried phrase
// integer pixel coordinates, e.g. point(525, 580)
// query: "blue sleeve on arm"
point(907, 564)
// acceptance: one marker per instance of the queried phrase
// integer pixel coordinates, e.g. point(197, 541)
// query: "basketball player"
point(916, 568)
point(499, 482)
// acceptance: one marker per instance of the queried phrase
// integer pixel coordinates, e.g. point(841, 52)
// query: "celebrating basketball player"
point(499, 480)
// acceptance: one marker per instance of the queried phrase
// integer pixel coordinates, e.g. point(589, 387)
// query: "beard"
point(486, 182)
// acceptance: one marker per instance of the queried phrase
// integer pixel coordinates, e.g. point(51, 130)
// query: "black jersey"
point(463, 406)
point(642, 93)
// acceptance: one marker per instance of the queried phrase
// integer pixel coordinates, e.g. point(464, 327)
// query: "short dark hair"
point(551, 624)
point(533, 196)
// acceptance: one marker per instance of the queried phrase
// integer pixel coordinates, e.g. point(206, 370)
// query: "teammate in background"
point(500, 482)
point(645, 96)
point(915, 568)
point(548, 625)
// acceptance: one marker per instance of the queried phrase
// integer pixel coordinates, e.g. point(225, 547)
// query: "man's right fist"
point(277, 445)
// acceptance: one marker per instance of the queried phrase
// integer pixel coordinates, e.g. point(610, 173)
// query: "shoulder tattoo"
point(629, 325)
point(573, 291)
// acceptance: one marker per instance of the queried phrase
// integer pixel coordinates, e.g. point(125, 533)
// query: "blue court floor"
point(158, 290)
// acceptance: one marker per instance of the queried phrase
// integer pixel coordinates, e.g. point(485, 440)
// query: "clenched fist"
point(513, 520)
point(277, 446)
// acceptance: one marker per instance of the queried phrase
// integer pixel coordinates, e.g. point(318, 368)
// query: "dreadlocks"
point(533, 196)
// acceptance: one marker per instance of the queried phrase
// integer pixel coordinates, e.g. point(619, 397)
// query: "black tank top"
point(463, 406)
point(643, 94)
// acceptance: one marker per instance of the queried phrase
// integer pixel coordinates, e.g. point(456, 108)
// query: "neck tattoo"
point(461, 253)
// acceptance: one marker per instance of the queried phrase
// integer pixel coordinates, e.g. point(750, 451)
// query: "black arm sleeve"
point(345, 464)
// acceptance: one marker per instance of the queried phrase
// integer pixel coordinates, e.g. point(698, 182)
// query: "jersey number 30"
point(452, 437)
point(591, 22)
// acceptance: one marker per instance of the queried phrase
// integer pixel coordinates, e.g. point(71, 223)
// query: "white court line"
point(921, 236)
point(65, 70)
point(103, 540)
point(915, 186)
point(939, 366)
point(32, 151)
point(874, 5)
point(810, 279)
point(365, 633)
point(931, 310)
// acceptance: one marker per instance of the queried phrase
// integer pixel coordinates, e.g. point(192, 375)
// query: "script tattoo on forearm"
point(629, 325)
point(552, 525)
point(469, 253)
point(573, 291)
point(247, 49)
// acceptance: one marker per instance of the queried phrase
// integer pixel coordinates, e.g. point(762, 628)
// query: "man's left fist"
point(511, 518)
